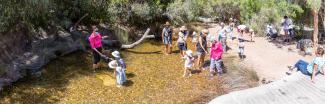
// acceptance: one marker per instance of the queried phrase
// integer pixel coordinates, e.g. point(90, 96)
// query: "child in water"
point(189, 60)
point(119, 65)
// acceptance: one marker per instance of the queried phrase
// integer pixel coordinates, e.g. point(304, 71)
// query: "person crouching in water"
point(189, 60)
point(216, 58)
point(182, 36)
point(119, 73)
point(241, 44)
point(310, 69)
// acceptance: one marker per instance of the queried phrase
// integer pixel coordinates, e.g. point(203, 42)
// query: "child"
point(119, 73)
point(215, 57)
point(120, 61)
point(251, 34)
point(189, 60)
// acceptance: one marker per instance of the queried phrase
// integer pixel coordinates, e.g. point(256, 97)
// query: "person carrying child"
point(216, 58)
point(119, 73)
point(189, 60)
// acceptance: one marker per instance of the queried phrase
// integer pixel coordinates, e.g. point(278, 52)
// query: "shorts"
point(182, 46)
point(167, 40)
point(200, 53)
point(216, 64)
point(241, 50)
point(96, 56)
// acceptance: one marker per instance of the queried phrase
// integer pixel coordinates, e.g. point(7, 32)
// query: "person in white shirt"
point(189, 61)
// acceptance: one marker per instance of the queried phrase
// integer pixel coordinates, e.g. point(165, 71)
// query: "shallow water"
point(152, 78)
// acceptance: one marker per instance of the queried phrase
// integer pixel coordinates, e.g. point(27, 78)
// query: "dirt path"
point(269, 61)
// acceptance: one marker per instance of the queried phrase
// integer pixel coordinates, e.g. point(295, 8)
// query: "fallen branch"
point(145, 36)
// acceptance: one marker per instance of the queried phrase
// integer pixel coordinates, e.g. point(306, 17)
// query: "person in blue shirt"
point(313, 68)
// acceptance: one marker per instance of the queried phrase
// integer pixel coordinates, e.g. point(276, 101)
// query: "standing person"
point(95, 40)
point(119, 73)
point(223, 39)
point(286, 22)
point(167, 38)
point(189, 60)
point(201, 48)
point(251, 35)
point(241, 44)
point(231, 29)
point(313, 68)
point(216, 58)
point(182, 36)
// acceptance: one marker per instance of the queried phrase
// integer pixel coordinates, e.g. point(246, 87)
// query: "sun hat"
point(167, 24)
point(112, 64)
point(116, 54)
point(183, 28)
point(206, 31)
point(189, 53)
point(242, 27)
point(251, 30)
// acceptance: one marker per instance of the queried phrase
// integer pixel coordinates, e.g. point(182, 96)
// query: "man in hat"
point(167, 38)
point(181, 41)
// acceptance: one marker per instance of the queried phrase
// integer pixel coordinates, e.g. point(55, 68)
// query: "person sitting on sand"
point(189, 60)
point(312, 68)
point(201, 48)
point(119, 60)
point(182, 36)
point(119, 73)
point(216, 57)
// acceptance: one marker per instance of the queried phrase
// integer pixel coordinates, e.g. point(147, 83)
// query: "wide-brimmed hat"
point(183, 28)
point(242, 27)
point(167, 24)
point(112, 64)
point(189, 53)
point(206, 31)
point(116, 54)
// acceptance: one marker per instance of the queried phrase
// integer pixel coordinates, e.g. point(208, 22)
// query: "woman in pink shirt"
point(95, 40)
point(215, 57)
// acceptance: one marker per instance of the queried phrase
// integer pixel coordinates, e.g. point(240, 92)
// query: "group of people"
point(206, 43)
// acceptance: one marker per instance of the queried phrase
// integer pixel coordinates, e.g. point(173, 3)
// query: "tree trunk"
point(145, 36)
point(315, 34)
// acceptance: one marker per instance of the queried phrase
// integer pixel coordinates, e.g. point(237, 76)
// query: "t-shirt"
point(211, 37)
point(95, 40)
point(286, 23)
point(319, 61)
point(216, 51)
point(188, 61)
point(182, 37)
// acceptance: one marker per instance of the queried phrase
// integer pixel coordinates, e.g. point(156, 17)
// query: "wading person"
point(216, 58)
point(119, 73)
point(167, 35)
point(201, 48)
point(223, 39)
point(241, 44)
point(181, 41)
point(310, 69)
point(189, 60)
point(95, 40)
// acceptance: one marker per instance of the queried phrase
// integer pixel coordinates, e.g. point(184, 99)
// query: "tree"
point(315, 6)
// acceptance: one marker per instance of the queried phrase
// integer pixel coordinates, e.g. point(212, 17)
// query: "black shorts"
point(96, 55)
point(182, 46)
